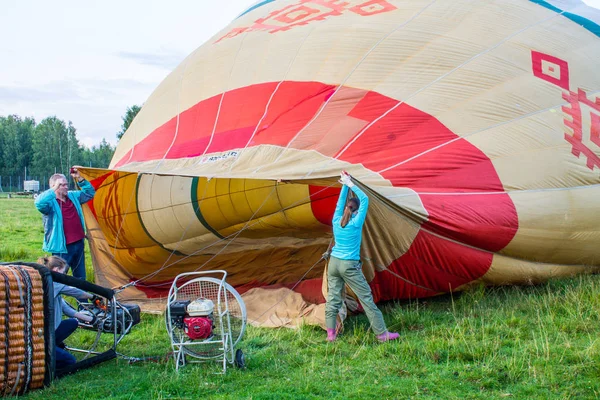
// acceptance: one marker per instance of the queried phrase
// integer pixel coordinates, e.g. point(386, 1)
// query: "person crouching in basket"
point(65, 327)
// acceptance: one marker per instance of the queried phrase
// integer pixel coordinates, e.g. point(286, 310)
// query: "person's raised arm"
point(364, 205)
point(44, 201)
point(87, 191)
point(341, 203)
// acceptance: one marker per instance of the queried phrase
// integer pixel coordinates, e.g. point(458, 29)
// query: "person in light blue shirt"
point(345, 266)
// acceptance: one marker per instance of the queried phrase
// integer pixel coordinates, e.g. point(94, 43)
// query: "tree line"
point(50, 146)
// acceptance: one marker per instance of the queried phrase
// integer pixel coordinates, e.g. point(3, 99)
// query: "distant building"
point(31, 186)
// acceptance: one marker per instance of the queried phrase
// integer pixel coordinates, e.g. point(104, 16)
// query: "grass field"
point(535, 342)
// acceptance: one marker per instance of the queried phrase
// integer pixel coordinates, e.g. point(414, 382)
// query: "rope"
point(27, 328)
point(6, 327)
point(240, 231)
point(235, 235)
point(164, 266)
point(17, 380)
point(22, 301)
point(219, 252)
point(157, 359)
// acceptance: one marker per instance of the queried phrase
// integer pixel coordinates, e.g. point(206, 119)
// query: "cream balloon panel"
point(436, 48)
point(166, 210)
point(566, 56)
point(545, 169)
point(325, 50)
point(500, 86)
point(184, 213)
point(508, 271)
point(558, 226)
point(532, 153)
point(407, 199)
point(551, 189)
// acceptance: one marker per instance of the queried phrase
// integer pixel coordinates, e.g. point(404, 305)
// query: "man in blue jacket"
point(64, 227)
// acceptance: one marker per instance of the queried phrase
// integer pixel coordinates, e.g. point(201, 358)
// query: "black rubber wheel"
point(240, 359)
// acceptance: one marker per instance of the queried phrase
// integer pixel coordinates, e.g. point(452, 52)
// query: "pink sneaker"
point(384, 337)
point(331, 335)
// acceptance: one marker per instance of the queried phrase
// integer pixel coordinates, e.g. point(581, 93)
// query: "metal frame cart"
point(205, 319)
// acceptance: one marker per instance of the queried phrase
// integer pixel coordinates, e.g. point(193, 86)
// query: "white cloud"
point(86, 62)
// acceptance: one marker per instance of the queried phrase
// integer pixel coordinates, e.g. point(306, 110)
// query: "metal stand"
point(229, 320)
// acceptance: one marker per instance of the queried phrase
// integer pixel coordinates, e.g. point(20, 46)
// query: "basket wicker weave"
point(22, 344)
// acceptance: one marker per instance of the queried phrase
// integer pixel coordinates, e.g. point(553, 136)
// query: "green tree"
point(104, 153)
point(46, 148)
point(16, 144)
point(2, 140)
point(53, 146)
point(98, 156)
point(128, 119)
point(74, 148)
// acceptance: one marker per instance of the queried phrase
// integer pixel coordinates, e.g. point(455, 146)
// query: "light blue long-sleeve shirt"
point(62, 307)
point(54, 234)
point(349, 238)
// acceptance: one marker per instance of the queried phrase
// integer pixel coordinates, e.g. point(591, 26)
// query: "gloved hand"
point(326, 255)
point(346, 179)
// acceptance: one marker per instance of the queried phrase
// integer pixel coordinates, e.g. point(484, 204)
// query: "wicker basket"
point(23, 360)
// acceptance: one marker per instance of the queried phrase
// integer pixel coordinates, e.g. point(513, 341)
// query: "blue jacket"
point(349, 238)
point(46, 203)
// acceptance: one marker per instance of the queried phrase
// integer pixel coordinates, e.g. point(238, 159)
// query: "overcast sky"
point(87, 61)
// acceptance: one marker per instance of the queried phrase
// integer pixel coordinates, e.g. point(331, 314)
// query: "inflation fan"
point(206, 318)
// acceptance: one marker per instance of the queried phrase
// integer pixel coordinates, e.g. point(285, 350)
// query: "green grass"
point(535, 342)
point(22, 233)
point(21, 230)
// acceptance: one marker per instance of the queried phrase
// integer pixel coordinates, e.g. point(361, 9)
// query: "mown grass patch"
point(532, 342)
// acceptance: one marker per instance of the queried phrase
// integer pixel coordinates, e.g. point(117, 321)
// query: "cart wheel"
point(240, 359)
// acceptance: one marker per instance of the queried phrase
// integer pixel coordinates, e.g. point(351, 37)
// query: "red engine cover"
point(198, 327)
